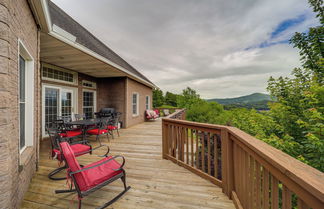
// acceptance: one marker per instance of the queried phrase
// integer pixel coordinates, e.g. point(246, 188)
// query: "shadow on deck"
point(156, 183)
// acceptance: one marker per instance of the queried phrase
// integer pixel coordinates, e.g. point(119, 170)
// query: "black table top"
point(87, 122)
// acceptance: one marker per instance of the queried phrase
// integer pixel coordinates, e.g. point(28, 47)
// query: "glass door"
point(51, 105)
point(57, 101)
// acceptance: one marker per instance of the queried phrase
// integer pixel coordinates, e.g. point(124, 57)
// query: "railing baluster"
point(265, 202)
point(215, 156)
point(187, 143)
point(274, 193)
point(209, 154)
point(252, 197)
point(197, 149)
point(286, 198)
point(301, 204)
point(258, 184)
point(202, 136)
point(192, 147)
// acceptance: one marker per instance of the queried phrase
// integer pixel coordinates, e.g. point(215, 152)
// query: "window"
point(147, 102)
point(135, 104)
point(59, 75)
point(89, 84)
point(26, 97)
point(22, 104)
point(88, 103)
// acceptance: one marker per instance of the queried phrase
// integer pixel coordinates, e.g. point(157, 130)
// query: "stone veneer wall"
point(16, 171)
point(143, 91)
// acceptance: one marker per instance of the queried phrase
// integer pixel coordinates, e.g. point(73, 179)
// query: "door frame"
point(73, 90)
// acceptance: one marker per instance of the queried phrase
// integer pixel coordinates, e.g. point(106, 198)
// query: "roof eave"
point(40, 12)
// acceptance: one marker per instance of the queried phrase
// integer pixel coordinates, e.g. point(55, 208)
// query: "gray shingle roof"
point(88, 40)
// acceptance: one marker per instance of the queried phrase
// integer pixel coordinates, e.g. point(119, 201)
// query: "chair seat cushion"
point(110, 127)
point(100, 174)
point(78, 149)
point(71, 133)
point(97, 131)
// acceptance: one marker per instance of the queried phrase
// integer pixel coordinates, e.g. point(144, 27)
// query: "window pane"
point(22, 78)
point(66, 104)
point(57, 74)
point(134, 105)
point(22, 125)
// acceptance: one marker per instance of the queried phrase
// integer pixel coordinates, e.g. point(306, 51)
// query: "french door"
point(57, 101)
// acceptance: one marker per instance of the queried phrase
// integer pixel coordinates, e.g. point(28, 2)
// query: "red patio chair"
point(79, 148)
point(113, 124)
point(100, 129)
point(94, 176)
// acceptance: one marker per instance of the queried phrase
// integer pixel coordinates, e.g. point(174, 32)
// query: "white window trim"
point(148, 104)
point(137, 104)
point(75, 74)
point(89, 82)
point(74, 102)
point(29, 96)
point(94, 98)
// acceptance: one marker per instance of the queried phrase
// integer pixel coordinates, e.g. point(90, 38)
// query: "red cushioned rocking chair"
point(79, 148)
point(92, 177)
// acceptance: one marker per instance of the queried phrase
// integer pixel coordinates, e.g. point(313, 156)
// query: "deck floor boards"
point(156, 183)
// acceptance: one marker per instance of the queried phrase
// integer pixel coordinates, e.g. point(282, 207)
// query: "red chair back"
point(73, 165)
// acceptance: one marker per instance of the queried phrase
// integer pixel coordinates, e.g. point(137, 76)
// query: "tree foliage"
point(171, 99)
point(158, 98)
point(300, 104)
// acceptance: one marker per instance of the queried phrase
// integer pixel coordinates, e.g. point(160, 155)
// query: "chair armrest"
point(92, 149)
point(84, 169)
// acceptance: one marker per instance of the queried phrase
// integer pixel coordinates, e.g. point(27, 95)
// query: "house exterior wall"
point(112, 93)
point(143, 91)
point(16, 23)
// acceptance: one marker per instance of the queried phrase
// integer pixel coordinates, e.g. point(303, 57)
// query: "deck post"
point(227, 163)
point(164, 139)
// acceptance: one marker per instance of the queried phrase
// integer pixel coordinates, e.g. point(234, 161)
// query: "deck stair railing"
point(250, 172)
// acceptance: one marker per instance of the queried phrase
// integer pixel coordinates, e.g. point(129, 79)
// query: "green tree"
point(300, 105)
point(158, 98)
point(171, 99)
point(188, 98)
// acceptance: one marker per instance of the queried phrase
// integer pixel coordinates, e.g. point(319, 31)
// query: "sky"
point(220, 48)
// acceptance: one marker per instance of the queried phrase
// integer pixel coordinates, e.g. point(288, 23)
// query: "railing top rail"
point(176, 113)
point(196, 124)
point(304, 175)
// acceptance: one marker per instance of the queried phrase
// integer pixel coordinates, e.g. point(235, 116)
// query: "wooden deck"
point(156, 183)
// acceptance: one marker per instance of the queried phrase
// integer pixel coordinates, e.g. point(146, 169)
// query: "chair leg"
point(54, 172)
point(80, 203)
point(108, 136)
point(115, 198)
point(118, 132)
point(112, 134)
point(98, 139)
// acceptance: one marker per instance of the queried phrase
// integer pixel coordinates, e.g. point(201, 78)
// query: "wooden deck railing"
point(252, 173)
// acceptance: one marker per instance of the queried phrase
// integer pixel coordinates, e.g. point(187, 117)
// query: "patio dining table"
point(84, 124)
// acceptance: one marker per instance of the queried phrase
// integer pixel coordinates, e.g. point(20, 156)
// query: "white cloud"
point(202, 44)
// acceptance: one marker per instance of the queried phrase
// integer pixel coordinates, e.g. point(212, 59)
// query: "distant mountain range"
point(256, 97)
point(257, 101)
